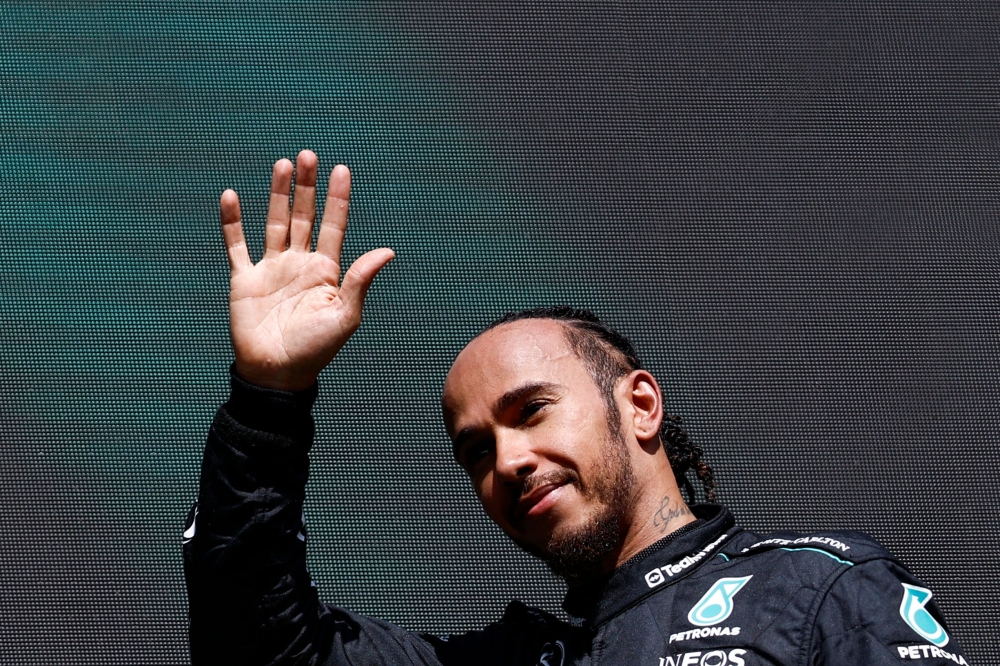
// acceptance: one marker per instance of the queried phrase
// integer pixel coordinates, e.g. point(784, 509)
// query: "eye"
point(532, 408)
point(474, 453)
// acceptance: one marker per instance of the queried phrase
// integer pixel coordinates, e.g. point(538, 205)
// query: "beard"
point(582, 553)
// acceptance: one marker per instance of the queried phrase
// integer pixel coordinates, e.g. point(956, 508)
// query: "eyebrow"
point(512, 396)
point(502, 404)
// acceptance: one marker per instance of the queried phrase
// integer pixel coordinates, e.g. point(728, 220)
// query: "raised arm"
point(251, 598)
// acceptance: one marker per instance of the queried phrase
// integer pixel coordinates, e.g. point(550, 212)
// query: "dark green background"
point(790, 208)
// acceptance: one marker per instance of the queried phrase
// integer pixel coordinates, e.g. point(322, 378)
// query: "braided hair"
point(609, 356)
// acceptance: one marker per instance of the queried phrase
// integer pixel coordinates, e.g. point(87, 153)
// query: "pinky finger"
point(232, 232)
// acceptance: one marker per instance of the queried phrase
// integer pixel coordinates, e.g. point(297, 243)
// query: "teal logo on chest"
point(717, 604)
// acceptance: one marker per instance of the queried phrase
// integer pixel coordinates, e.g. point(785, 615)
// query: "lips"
point(535, 497)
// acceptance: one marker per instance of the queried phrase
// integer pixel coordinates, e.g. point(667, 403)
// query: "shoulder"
point(836, 565)
point(841, 594)
point(827, 548)
point(801, 566)
point(857, 590)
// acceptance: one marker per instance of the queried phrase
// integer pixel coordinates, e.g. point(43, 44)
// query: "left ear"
point(643, 394)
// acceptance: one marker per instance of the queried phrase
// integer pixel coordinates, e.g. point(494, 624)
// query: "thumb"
point(360, 276)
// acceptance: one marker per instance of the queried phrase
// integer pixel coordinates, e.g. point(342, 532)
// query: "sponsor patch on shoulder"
point(914, 612)
point(553, 654)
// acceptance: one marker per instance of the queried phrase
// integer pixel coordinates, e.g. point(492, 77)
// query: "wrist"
point(275, 380)
point(280, 418)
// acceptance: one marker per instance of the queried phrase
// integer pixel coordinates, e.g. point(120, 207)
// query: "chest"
point(725, 619)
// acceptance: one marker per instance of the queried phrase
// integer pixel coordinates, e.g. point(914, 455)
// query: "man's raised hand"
point(288, 313)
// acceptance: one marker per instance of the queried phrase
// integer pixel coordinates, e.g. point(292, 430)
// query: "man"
point(564, 438)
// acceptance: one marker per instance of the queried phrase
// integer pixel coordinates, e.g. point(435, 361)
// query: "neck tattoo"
point(667, 512)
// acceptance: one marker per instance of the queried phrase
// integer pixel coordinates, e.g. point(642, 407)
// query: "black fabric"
point(790, 207)
point(600, 601)
point(284, 418)
point(837, 598)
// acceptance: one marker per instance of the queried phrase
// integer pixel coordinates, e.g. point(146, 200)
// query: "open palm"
point(289, 312)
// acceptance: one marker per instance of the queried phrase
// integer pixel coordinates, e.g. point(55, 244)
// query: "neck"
point(658, 510)
point(656, 519)
point(650, 521)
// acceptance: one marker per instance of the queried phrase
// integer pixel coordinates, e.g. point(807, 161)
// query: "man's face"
point(529, 426)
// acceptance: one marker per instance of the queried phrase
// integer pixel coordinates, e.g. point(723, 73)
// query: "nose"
point(515, 457)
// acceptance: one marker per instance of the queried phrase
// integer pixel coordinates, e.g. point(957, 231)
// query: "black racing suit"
point(711, 594)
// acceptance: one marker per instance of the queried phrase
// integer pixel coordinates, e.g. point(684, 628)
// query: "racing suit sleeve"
point(251, 598)
point(878, 613)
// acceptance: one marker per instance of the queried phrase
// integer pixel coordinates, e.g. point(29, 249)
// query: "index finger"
point(334, 225)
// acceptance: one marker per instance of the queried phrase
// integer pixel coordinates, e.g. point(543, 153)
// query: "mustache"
point(554, 477)
point(534, 481)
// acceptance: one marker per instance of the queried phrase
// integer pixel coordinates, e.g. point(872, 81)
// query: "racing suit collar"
point(598, 601)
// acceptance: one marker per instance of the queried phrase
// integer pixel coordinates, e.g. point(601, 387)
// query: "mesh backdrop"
point(790, 207)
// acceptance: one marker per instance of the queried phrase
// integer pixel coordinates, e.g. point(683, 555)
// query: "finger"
point(232, 232)
point(276, 230)
point(360, 275)
point(334, 225)
point(304, 202)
